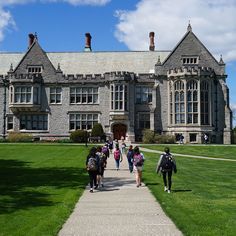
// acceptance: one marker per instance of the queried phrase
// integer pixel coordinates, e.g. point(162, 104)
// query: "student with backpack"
point(105, 150)
point(92, 165)
point(102, 166)
point(138, 161)
point(166, 165)
point(130, 155)
point(117, 157)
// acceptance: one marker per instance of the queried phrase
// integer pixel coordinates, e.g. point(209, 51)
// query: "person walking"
point(166, 165)
point(123, 148)
point(117, 157)
point(138, 161)
point(92, 165)
point(130, 155)
point(102, 165)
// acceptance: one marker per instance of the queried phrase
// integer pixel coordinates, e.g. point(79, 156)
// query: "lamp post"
point(5, 84)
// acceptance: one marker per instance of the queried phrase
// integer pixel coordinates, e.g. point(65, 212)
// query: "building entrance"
point(119, 130)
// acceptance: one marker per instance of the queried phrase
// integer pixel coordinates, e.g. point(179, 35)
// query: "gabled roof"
point(34, 56)
point(185, 37)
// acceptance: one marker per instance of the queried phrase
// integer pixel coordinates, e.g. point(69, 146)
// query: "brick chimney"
point(88, 38)
point(31, 40)
point(152, 44)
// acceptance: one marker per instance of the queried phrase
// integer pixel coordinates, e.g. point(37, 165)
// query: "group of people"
point(97, 160)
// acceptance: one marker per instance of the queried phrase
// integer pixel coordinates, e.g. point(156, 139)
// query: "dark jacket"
point(160, 163)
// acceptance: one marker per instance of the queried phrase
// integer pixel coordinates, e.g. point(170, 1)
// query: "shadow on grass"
point(20, 184)
point(181, 190)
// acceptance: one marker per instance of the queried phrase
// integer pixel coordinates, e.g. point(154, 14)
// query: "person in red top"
point(138, 161)
point(117, 157)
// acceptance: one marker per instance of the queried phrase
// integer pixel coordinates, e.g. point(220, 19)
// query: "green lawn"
point(203, 200)
point(220, 151)
point(39, 186)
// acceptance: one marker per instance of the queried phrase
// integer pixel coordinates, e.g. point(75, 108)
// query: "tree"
point(97, 131)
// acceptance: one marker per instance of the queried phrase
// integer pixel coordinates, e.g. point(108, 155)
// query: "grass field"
point(39, 186)
point(203, 200)
point(221, 151)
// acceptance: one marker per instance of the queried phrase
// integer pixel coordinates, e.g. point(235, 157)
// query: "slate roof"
point(93, 62)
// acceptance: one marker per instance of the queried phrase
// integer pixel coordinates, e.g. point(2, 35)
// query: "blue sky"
point(121, 25)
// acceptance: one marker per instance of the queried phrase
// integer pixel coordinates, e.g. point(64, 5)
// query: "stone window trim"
point(190, 60)
point(84, 95)
point(193, 137)
point(119, 97)
point(144, 120)
point(10, 122)
point(192, 102)
point(55, 95)
point(205, 102)
point(34, 122)
point(82, 120)
point(143, 94)
point(24, 94)
point(34, 69)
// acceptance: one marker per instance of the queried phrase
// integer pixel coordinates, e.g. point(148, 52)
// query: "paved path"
point(187, 155)
point(120, 208)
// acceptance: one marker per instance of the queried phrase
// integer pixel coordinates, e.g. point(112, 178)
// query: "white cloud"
point(5, 20)
point(213, 21)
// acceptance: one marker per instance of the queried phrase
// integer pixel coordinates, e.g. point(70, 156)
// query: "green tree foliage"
point(97, 131)
point(148, 136)
point(79, 136)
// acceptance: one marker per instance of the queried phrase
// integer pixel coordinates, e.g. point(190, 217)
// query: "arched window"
point(179, 102)
point(204, 103)
point(192, 102)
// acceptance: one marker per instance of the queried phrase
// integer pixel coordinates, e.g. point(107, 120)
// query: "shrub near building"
point(79, 136)
point(98, 132)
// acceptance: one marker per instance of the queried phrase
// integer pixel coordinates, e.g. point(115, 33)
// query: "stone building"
point(182, 91)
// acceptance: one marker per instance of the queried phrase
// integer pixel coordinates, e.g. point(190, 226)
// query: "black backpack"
point(167, 162)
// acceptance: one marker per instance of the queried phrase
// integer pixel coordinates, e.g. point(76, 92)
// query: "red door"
point(119, 130)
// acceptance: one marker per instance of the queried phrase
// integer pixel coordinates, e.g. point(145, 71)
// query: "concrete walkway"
point(120, 208)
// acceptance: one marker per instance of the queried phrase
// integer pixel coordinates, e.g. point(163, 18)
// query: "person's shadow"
point(181, 190)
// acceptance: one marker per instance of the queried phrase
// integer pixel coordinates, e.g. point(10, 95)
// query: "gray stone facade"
point(182, 91)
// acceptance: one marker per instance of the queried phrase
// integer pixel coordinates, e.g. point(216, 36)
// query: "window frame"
point(84, 121)
point(55, 94)
point(84, 95)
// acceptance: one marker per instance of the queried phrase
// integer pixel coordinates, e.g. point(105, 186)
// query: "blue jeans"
point(117, 163)
point(130, 164)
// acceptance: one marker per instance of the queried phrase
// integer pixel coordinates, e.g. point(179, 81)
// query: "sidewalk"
point(120, 208)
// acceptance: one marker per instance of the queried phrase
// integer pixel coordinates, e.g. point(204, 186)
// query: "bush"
point(79, 136)
point(19, 137)
point(148, 136)
point(166, 139)
point(97, 131)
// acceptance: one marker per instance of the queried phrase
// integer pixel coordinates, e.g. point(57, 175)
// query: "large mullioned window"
point(82, 121)
point(22, 94)
point(34, 122)
point(83, 95)
point(143, 94)
point(204, 103)
point(179, 102)
point(144, 120)
point(119, 97)
point(192, 102)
